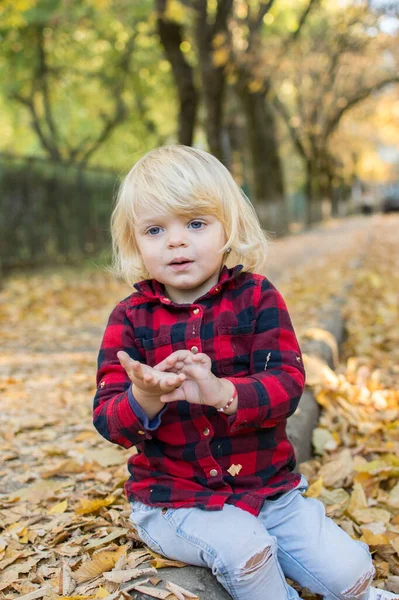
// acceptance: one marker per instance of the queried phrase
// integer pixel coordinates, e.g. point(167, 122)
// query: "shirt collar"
point(151, 288)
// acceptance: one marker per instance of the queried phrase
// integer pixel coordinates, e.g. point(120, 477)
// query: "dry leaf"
point(103, 561)
point(121, 576)
point(154, 593)
point(96, 543)
point(89, 506)
point(318, 372)
point(234, 470)
point(315, 489)
point(59, 508)
point(173, 587)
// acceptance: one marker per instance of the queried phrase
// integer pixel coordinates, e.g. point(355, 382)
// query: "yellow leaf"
point(159, 562)
point(101, 593)
point(376, 537)
point(103, 561)
point(59, 508)
point(315, 489)
point(88, 506)
point(395, 545)
point(319, 373)
point(66, 466)
point(370, 515)
point(234, 470)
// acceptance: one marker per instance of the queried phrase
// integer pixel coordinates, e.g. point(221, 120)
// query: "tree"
point(81, 71)
point(333, 69)
point(171, 35)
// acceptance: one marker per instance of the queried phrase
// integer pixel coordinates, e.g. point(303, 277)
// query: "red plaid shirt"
point(185, 454)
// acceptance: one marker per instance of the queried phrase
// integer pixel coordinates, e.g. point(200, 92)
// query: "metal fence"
point(51, 212)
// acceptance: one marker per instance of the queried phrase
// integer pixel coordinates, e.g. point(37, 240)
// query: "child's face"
point(181, 252)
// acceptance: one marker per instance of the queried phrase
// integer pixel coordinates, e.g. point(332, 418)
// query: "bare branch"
point(42, 78)
point(351, 102)
point(283, 111)
point(264, 8)
point(29, 103)
point(109, 126)
point(303, 19)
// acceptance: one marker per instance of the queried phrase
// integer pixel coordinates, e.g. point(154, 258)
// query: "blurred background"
point(300, 100)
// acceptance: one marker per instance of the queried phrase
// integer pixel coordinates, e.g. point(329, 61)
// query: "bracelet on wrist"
point(229, 402)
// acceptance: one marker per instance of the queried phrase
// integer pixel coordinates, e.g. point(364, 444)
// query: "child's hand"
point(201, 386)
point(149, 381)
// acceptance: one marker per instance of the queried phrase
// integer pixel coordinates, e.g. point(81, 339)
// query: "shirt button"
point(206, 431)
point(213, 472)
point(166, 299)
point(141, 432)
point(194, 349)
point(196, 311)
point(217, 289)
point(298, 359)
point(102, 384)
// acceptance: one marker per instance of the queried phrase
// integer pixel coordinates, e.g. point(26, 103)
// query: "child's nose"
point(177, 237)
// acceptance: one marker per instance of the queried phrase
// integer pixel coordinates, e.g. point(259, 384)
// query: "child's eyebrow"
point(148, 222)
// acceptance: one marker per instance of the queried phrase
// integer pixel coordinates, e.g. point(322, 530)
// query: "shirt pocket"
point(156, 348)
point(235, 347)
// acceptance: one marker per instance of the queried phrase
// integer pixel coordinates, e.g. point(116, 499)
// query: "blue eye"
point(196, 224)
point(153, 230)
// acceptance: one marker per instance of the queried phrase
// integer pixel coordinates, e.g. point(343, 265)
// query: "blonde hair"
point(184, 181)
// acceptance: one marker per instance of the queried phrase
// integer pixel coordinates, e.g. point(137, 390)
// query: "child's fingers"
point(172, 382)
point(173, 396)
point(201, 358)
point(123, 358)
point(128, 363)
point(171, 361)
point(148, 377)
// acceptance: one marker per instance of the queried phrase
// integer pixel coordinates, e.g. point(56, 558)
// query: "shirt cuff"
point(140, 414)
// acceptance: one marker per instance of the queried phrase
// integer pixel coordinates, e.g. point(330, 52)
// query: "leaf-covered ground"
point(64, 529)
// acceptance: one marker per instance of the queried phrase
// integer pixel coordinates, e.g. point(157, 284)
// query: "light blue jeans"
point(251, 556)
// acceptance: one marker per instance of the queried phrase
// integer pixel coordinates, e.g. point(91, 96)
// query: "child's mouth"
point(181, 265)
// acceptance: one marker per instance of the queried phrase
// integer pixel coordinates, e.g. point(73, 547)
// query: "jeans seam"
point(309, 573)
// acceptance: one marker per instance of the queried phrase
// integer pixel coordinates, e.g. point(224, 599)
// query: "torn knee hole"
point(256, 562)
point(360, 586)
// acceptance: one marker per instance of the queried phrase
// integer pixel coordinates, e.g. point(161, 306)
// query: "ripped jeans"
point(251, 556)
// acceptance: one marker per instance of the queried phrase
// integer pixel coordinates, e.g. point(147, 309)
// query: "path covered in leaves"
point(64, 529)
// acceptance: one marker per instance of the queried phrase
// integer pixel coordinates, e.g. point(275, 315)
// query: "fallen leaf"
point(234, 470)
point(89, 506)
point(121, 576)
point(173, 587)
point(59, 508)
point(314, 490)
point(103, 561)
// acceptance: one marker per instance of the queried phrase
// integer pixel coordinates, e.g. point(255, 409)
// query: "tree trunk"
point(268, 184)
point(213, 78)
point(213, 89)
point(313, 193)
point(171, 37)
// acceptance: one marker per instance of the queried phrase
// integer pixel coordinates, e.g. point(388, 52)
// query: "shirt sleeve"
point(115, 413)
point(272, 392)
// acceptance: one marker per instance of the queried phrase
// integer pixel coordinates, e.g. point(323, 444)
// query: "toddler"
point(199, 369)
